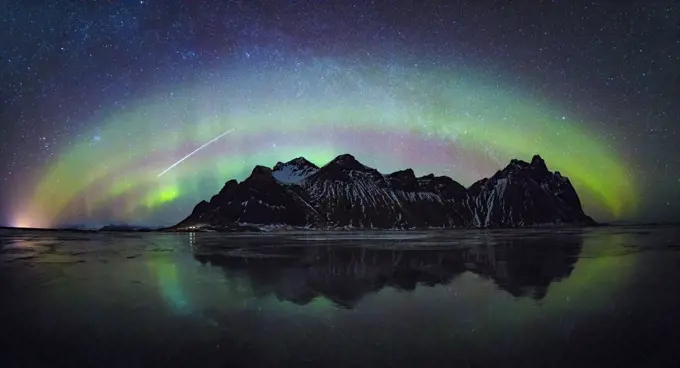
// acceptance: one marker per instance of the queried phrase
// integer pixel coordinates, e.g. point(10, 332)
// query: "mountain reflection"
point(344, 272)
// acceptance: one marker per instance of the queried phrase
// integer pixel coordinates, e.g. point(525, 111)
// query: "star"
point(433, 92)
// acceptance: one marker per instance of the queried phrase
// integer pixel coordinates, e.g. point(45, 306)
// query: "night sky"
point(100, 98)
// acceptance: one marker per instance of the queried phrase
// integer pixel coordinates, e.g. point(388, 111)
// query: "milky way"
point(127, 90)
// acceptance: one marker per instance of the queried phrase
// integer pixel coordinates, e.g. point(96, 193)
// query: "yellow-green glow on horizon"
point(487, 122)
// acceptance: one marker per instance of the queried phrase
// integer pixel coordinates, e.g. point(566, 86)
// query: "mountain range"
point(346, 194)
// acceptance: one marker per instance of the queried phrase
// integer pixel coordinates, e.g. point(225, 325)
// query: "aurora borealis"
point(94, 113)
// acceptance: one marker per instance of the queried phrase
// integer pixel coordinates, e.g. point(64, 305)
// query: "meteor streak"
point(196, 150)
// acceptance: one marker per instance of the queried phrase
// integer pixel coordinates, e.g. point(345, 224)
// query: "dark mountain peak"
point(298, 163)
point(406, 174)
point(260, 172)
point(225, 193)
point(427, 177)
point(228, 186)
point(345, 168)
point(403, 179)
point(347, 161)
point(433, 177)
point(515, 164)
point(301, 162)
point(538, 163)
point(442, 185)
point(535, 168)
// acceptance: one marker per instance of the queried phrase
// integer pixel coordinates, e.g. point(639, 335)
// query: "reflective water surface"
point(593, 297)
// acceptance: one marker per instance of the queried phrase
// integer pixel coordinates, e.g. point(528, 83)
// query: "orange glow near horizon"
point(25, 221)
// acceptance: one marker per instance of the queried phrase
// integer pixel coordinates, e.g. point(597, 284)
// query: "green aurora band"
point(456, 123)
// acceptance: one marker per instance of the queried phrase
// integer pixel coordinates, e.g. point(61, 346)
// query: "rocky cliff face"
point(347, 194)
point(525, 194)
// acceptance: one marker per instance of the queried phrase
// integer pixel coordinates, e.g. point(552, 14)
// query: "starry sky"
point(100, 100)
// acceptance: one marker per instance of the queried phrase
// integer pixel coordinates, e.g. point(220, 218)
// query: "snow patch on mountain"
point(292, 175)
point(294, 171)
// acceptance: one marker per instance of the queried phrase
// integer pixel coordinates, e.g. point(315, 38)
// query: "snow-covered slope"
point(293, 171)
point(347, 194)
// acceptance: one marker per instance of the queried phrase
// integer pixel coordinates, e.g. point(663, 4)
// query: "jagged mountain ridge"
point(348, 194)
